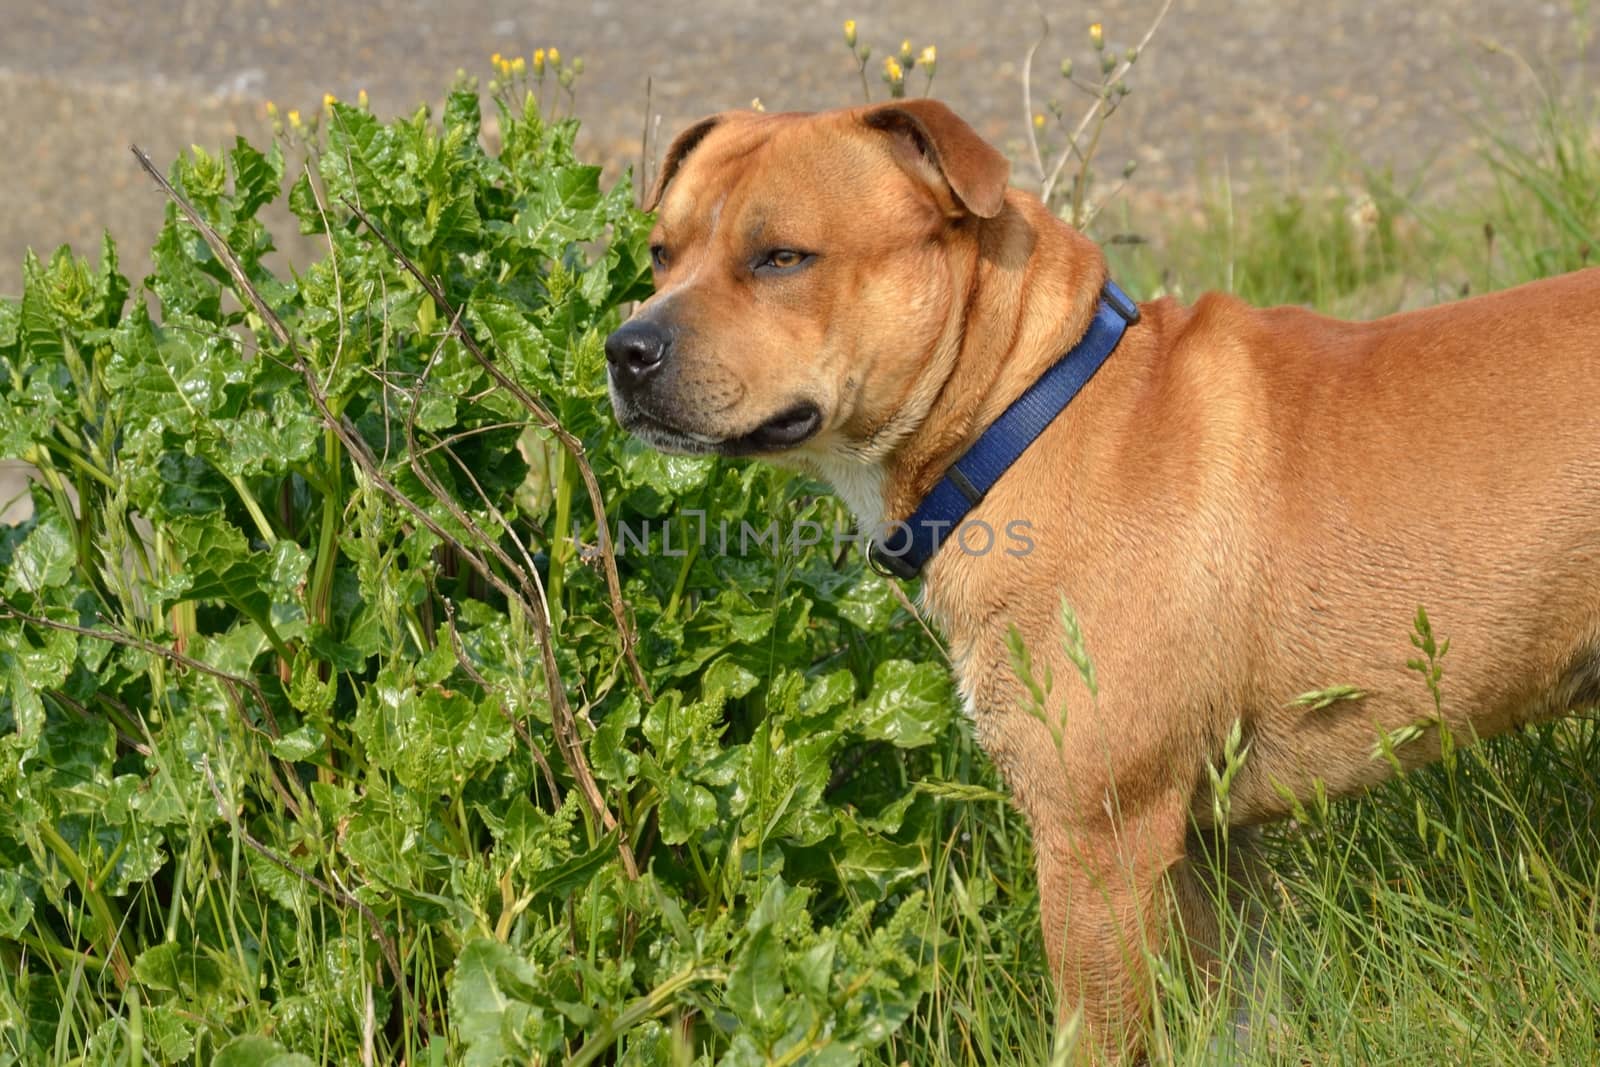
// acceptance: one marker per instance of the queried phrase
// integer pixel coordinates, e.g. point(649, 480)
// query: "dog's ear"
point(677, 152)
point(973, 170)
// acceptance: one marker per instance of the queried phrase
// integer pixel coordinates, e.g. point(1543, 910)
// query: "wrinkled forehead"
point(785, 172)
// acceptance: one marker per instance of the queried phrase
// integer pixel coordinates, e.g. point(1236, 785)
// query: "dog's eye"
point(658, 256)
point(784, 259)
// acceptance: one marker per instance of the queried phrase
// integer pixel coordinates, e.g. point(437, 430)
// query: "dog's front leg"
point(1106, 906)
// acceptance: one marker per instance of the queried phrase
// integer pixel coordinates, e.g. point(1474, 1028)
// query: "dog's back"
point(1447, 459)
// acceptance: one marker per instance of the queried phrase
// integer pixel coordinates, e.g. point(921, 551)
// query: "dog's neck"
point(1027, 269)
point(860, 485)
point(1047, 293)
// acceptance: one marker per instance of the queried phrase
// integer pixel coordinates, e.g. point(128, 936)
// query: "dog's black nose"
point(635, 351)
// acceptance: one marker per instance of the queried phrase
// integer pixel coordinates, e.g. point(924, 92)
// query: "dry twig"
point(391, 955)
point(231, 682)
point(548, 421)
point(1100, 108)
point(562, 719)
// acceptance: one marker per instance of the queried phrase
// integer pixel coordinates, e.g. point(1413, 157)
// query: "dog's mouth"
point(788, 429)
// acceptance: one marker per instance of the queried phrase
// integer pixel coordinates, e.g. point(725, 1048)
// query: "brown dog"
point(1240, 507)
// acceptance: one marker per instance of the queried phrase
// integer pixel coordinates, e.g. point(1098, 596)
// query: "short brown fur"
point(1243, 505)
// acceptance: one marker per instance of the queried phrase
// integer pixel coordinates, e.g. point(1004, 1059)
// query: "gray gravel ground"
point(1252, 89)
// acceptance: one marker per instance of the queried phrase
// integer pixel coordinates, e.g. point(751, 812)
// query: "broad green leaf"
point(16, 906)
point(686, 810)
point(613, 759)
point(429, 737)
point(256, 1051)
point(725, 679)
point(755, 988)
point(223, 567)
point(670, 476)
point(173, 968)
point(491, 1023)
point(910, 703)
point(256, 177)
point(44, 559)
point(170, 1035)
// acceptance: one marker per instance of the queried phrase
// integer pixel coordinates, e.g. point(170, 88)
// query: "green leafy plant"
point(333, 724)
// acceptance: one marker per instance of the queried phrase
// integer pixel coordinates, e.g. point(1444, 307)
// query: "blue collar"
point(902, 549)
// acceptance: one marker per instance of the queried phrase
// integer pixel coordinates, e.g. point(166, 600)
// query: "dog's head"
point(803, 275)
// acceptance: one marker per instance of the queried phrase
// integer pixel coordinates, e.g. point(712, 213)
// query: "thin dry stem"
point(643, 187)
point(574, 448)
point(517, 724)
point(1109, 84)
point(116, 636)
point(391, 954)
point(355, 446)
point(1027, 101)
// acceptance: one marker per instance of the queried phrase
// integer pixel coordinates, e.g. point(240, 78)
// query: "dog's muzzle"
point(645, 394)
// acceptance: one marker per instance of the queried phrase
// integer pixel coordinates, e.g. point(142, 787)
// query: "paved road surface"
point(1254, 85)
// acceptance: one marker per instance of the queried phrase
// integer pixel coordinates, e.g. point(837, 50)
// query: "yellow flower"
point(294, 118)
point(361, 100)
point(328, 100)
point(928, 56)
point(905, 50)
point(850, 32)
point(757, 105)
point(272, 109)
point(554, 55)
point(1038, 120)
point(518, 65)
point(1097, 35)
point(538, 62)
point(494, 60)
point(892, 71)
